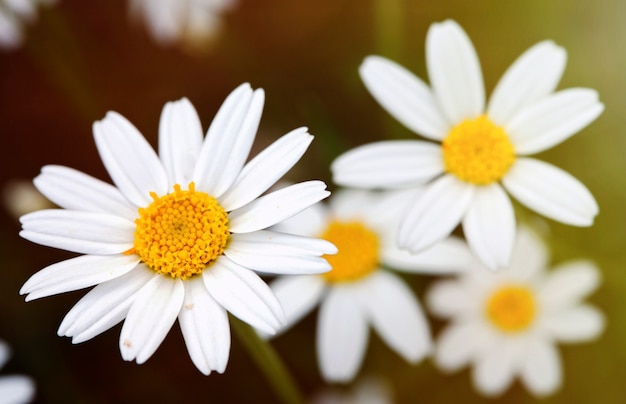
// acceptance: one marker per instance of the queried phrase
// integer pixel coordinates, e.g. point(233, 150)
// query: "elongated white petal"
point(449, 299)
point(531, 77)
point(454, 72)
point(541, 369)
point(276, 206)
point(489, 226)
point(495, 369)
point(180, 140)
point(81, 232)
point(244, 294)
point(396, 315)
point(258, 175)
point(272, 242)
point(77, 273)
point(228, 140)
point(577, 324)
point(451, 255)
point(435, 213)
point(17, 389)
point(568, 283)
point(150, 317)
point(550, 191)
point(388, 164)
point(74, 190)
point(458, 344)
point(553, 120)
point(104, 306)
point(204, 324)
point(272, 263)
point(342, 335)
point(529, 258)
point(404, 96)
point(129, 159)
point(298, 295)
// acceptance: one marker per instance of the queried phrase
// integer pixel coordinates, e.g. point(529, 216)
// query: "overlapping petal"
point(298, 295)
point(541, 367)
point(451, 255)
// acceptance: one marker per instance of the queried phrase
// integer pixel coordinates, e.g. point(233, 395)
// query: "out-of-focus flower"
point(506, 323)
point(483, 150)
point(369, 390)
point(193, 22)
point(357, 292)
point(180, 235)
point(21, 197)
point(14, 389)
point(13, 14)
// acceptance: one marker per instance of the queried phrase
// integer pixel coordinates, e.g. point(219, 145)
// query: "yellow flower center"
point(182, 233)
point(478, 151)
point(511, 308)
point(357, 254)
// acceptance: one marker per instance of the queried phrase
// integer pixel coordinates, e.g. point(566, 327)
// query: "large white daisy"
point(180, 235)
point(483, 150)
point(358, 292)
point(506, 323)
point(14, 389)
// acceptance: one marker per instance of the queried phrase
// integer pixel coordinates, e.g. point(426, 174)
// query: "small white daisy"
point(180, 235)
point(188, 21)
point(357, 292)
point(506, 323)
point(13, 14)
point(483, 150)
point(14, 389)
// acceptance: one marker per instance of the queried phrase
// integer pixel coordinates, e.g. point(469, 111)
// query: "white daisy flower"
point(13, 15)
point(483, 150)
point(357, 292)
point(14, 389)
point(188, 21)
point(182, 233)
point(506, 323)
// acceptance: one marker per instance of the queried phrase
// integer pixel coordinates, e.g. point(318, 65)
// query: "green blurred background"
point(83, 58)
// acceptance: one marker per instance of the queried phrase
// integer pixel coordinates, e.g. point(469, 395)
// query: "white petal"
point(495, 369)
point(74, 190)
point(272, 263)
point(531, 77)
point(298, 295)
point(310, 222)
point(454, 71)
point(228, 140)
point(568, 284)
point(16, 389)
point(388, 164)
point(272, 242)
point(5, 353)
point(129, 159)
point(266, 168)
point(104, 306)
point(396, 315)
point(180, 140)
point(204, 324)
point(459, 344)
point(550, 191)
point(435, 213)
point(553, 120)
point(244, 294)
point(276, 206)
point(81, 232)
point(77, 273)
point(577, 324)
point(449, 299)
point(342, 335)
point(529, 257)
point(451, 255)
point(150, 317)
point(541, 368)
point(489, 226)
point(404, 96)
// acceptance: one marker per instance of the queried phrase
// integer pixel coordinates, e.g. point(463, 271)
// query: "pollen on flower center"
point(357, 254)
point(182, 233)
point(478, 151)
point(511, 308)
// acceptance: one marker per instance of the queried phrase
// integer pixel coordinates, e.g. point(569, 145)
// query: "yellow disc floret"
point(478, 151)
point(511, 308)
point(357, 254)
point(182, 233)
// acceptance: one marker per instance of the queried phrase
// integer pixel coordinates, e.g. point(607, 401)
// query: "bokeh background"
point(83, 58)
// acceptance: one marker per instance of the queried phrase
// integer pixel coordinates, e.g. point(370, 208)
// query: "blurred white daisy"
point(14, 389)
point(358, 292)
point(506, 323)
point(192, 22)
point(13, 15)
point(483, 150)
point(182, 233)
